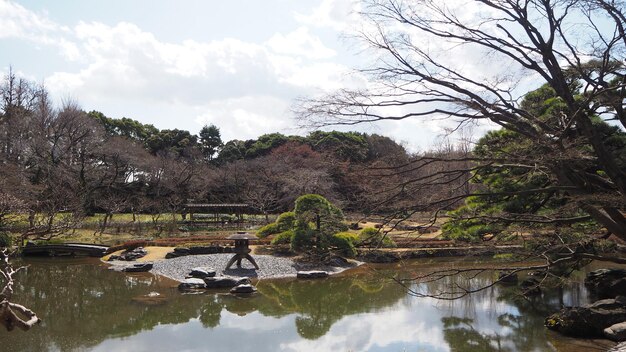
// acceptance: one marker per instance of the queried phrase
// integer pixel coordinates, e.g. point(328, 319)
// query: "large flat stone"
point(243, 289)
point(313, 274)
point(589, 320)
point(225, 281)
point(616, 332)
point(202, 272)
point(138, 268)
point(192, 284)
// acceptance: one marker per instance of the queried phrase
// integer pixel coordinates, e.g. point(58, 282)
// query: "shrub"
point(267, 230)
point(468, 230)
point(326, 218)
point(286, 221)
point(352, 237)
point(5, 240)
point(376, 237)
point(283, 237)
point(303, 236)
point(343, 242)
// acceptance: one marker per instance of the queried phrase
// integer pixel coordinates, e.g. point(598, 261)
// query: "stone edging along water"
point(270, 267)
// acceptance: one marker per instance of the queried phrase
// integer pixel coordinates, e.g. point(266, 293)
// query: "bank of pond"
point(84, 306)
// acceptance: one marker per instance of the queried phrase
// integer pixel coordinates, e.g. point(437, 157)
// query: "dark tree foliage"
point(508, 195)
point(126, 127)
point(210, 141)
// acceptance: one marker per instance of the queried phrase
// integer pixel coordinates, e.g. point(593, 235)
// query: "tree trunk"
point(613, 220)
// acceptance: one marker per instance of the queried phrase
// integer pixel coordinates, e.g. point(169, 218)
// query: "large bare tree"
point(473, 61)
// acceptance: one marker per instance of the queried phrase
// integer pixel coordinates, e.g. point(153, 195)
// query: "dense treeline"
point(66, 161)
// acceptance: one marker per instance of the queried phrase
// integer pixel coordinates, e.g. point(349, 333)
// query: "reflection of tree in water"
point(523, 325)
point(461, 336)
point(83, 304)
point(211, 313)
point(321, 303)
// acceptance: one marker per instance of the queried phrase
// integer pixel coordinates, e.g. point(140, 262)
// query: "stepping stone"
point(171, 255)
point(242, 289)
point(138, 268)
point(192, 284)
point(202, 272)
point(313, 274)
point(225, 281)
point(615, 332)
point(181, 251)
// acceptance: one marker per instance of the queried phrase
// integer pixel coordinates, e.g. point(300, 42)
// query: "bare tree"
point(576, 48)
point(12, 315)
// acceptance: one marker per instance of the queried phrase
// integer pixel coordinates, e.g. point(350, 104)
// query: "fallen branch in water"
point(12, 314)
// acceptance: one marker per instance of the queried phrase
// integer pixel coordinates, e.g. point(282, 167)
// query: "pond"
point(85, 307)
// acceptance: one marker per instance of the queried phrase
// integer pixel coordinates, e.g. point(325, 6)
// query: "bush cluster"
point(5, 240)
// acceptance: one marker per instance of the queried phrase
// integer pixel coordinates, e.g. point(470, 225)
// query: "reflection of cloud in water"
point(413, 324)
point(191, 336)
point(393, 328)
point(254, 321)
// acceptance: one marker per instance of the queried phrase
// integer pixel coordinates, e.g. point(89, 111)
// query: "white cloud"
point(246, 117)
point(244, 87)
point(340, 15)
point(300, 43)
point(19, 22)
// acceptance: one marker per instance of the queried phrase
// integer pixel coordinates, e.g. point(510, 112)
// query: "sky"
point(236, 64)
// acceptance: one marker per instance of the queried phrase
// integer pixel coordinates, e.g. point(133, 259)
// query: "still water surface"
point(85, 307)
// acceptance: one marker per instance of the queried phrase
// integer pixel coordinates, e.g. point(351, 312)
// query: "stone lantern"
point(242, 251)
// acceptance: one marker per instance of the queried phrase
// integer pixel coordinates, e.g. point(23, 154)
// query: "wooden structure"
point(242, 251)
point(215, 210)
point(65, 249)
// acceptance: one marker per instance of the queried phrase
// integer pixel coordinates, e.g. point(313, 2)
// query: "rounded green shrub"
point(286, 221)
point(267, 230)
point(283, 237)
point(303, 237)
point(344, 244)
point(375, 237)
point(5, 240)
point(352, 237)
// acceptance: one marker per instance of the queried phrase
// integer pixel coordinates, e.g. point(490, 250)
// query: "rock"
point(355, 226)
point(202, 250)
point(589, 320)
point(313, 274)
point(606, 283)
point(243, 289)
point(201, 272)
point(171, 255)
point(507, 277)
point(225, 281)
point(192, 284)
point(138, 268)
point(616, 332)
point(181, 251)
point(620, 347)
point(133, 254)
point(337, 261)
point(130, 255)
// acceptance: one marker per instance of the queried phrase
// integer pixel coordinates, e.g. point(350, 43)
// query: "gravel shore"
point(270, 266)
